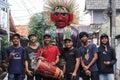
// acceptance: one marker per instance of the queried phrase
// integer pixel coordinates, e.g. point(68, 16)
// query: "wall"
point(118, 60)
point(98, 17)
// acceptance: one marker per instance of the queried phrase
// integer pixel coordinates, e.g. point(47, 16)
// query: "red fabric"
point(50, 53)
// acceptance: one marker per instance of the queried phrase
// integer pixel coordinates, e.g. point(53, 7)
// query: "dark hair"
point(83, 34)
point(15, 35)
point(31, 35)
point(46, 35)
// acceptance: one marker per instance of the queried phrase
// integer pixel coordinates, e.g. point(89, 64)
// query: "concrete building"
point(3, 21)
point(4, 16)
point(98, 12)
point(100, 15)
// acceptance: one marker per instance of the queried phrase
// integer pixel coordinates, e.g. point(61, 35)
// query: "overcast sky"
point(22, 9)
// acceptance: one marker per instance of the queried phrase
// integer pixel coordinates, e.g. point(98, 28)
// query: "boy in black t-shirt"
point(72, 58)
point(30, 57)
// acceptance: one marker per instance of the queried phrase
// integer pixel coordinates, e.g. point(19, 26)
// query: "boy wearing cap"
point(106, 59)
point(72, 58)
point(15, 58)
point(49, 52)
point(89, 58)
point(30, 57)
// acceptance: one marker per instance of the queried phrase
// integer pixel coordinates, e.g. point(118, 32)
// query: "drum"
point(47, 69)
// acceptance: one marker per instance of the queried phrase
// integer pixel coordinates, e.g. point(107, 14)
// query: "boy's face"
point(33, 39)
point(104, 40)
point(68, 44)
point(15, 40)
point(84, 39)
point(47, 40)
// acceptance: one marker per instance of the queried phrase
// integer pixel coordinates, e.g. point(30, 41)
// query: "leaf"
point(37, 25)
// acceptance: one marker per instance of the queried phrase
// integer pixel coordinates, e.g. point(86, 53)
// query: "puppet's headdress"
point(67, 5)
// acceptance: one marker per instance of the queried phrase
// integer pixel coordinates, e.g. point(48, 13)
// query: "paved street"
point(25, 78)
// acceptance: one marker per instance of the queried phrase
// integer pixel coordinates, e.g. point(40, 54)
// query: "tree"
point(37, 25)
point(4, 45)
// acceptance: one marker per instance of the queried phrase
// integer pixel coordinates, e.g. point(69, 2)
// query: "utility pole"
point(112, 22)
point(8, 23)
point(113, 25)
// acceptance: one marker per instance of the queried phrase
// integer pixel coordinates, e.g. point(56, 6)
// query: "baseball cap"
point(68, 39)
point(17, 35)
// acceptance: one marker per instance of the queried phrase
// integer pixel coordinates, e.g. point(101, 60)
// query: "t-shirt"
point(49, 53)
point(16, 65)
point(88, 54)
point(70, 58)
point(30, 56)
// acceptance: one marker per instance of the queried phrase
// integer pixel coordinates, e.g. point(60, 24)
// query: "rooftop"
point(100, 4)
point(22, 30)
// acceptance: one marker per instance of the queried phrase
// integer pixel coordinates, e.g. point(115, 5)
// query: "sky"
point(21, 10)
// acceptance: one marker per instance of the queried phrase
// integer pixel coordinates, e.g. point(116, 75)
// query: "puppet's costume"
point(61, 14)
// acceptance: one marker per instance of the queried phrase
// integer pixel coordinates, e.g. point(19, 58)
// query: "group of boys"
point(96, 63)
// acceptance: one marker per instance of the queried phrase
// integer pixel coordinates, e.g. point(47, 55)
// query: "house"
point(3, 22)
point(92, 30)
point(97, 8)
point(22, 30)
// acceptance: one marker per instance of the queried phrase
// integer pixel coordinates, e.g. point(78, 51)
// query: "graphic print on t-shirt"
point(17, 55)
point(33, 57)
point(87, 54)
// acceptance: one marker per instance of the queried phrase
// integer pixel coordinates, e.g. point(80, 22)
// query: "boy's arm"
point(95, 57)
point(113, 61)
point(77, 65)
point(29, 72)
point(83, 65)
point(64, 70)
point(57, 60)
point(10, 57)
point(57, 56)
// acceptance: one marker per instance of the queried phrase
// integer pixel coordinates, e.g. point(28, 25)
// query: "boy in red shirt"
point(49, 52)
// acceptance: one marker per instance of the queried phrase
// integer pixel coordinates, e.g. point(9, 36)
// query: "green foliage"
point(4, 45)
point(37, 25)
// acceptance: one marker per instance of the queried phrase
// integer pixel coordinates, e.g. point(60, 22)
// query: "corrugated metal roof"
point(3, 32)
point(100, 4)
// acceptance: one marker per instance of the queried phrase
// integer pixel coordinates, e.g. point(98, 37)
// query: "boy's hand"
point(73, 75)
point(1, 70)
point(12, 54)
point(85, 68)
point(41, 58)
point(107, 62)
point(53, 63)
point(88, 73)
point(29, 73)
